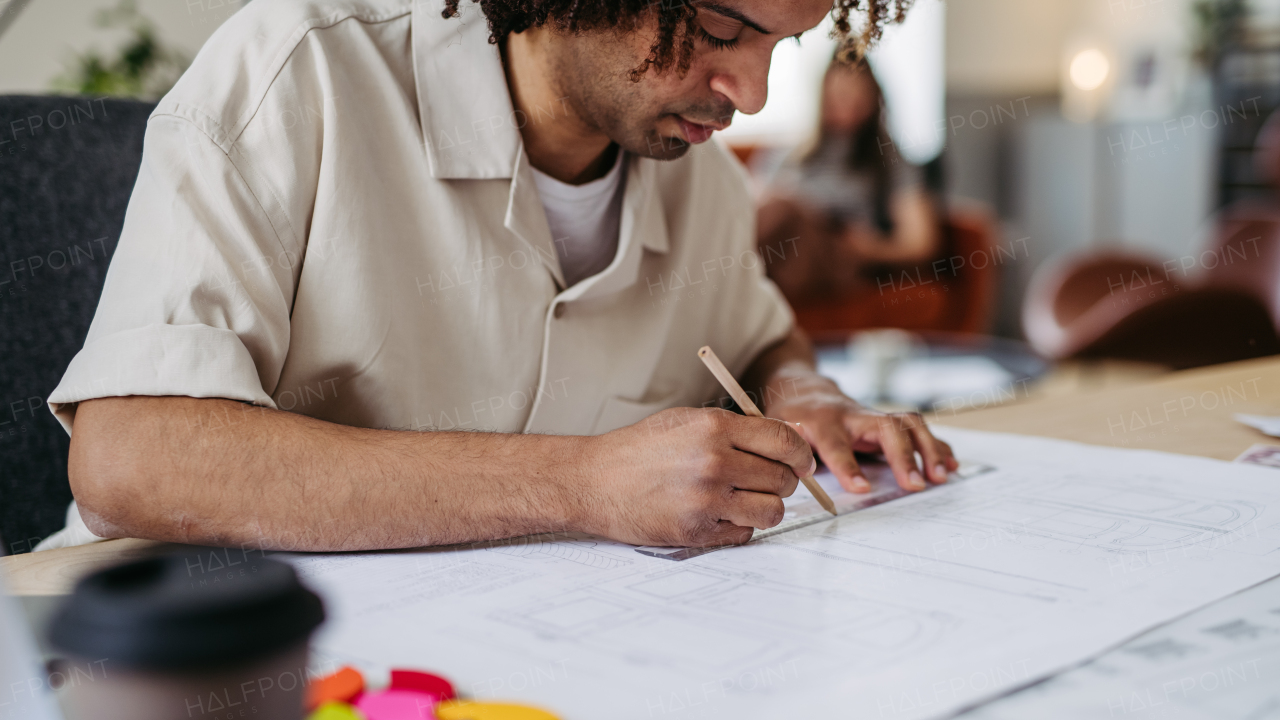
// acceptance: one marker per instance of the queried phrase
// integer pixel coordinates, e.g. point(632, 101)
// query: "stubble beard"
point(595, 79)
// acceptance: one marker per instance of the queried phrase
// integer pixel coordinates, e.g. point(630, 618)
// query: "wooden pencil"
point(740, 396)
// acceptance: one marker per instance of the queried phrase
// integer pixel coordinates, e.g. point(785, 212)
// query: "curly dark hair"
point(674, 45)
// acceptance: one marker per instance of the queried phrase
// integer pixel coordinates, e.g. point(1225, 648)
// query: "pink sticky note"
point(395, 704)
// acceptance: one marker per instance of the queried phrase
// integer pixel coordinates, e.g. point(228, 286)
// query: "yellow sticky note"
point(336, 711)
point(468, 710)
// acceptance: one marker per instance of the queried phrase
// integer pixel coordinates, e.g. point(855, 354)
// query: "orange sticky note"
point(469, 710)
point(342, 686)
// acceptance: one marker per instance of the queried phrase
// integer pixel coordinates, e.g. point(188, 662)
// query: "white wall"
point(1006, 47)
point(46, 35)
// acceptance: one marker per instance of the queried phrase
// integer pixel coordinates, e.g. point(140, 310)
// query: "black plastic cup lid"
point(187, 611)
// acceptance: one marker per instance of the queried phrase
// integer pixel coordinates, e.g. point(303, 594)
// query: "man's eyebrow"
point(732, 14)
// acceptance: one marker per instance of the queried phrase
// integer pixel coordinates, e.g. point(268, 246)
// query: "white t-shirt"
point(584, 220)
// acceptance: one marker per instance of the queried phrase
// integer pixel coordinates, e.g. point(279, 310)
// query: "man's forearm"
point(221, 472)
point(786, 370)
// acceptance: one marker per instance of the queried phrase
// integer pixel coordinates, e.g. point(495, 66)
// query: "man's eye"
point(717, 42)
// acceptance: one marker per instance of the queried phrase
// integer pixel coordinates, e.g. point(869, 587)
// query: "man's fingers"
point(936, 454)
point(900, 452)
point(724, 533)
point(747, 471)
point(952, 463)
point(834, 447)
point(752, 509)
point(770, 439)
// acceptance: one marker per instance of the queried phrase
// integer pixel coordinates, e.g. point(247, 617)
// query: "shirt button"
point(559, 311)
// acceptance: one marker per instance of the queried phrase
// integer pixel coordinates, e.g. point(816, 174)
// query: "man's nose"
point(745, 81)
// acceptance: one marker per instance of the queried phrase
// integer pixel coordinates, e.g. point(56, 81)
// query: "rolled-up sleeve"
point(197, 299)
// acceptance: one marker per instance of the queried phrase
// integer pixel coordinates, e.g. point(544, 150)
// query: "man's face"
point(662, 114)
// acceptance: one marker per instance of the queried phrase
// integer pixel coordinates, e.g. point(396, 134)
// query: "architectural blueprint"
point(1219, 663)
point(913, 608)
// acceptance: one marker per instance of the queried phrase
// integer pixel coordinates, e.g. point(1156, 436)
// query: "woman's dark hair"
point(871, 149)
point(673, 47)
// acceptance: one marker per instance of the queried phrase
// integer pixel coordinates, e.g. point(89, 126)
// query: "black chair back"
point(67, 167)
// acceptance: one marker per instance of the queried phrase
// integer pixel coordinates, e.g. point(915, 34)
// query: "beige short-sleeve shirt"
point(335, 217)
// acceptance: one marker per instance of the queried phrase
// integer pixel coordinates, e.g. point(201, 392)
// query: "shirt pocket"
point(620, 412)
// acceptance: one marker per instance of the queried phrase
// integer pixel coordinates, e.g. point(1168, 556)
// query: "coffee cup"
point(209, 634)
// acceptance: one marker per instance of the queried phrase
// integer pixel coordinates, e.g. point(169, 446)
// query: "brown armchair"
point(1219, 305)
point(953, 292)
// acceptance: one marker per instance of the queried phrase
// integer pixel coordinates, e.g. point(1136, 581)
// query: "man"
point(393, 277)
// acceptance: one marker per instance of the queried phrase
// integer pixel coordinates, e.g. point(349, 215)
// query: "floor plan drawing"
point(562, 546)
point(1074, 511)
point(1219, 663)
point(914, 608)
point(664, 606)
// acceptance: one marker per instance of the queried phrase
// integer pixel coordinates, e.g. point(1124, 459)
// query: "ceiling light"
point(1089, 69)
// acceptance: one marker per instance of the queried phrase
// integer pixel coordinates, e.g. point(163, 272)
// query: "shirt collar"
point(642, 226)
point(468, 124)
point(471, 130)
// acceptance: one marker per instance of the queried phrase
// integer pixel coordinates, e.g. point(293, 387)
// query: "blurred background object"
point(846, 201)
point(43, 40)
point(1081, 142)
point(9, 10)
point(944, 373)
point(143, 67)
point(20, 665)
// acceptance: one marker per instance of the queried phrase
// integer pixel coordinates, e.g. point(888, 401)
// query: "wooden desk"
point(1186, 412)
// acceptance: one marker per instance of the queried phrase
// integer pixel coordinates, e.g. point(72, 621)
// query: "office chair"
point(67, 167)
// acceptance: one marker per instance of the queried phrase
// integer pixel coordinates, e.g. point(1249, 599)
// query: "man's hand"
point(836, 426)
point(693, 477)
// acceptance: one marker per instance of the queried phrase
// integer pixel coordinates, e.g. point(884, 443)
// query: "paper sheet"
point(914, 608)
point(1220, 663)
point(24, 684)
point(1263, 423)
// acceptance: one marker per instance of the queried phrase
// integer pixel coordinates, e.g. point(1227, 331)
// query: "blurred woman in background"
point(849, 202)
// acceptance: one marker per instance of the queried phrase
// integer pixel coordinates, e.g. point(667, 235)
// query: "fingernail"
point(939, 473)
point(860, 484)
point(915, 481)
point(813, 465)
